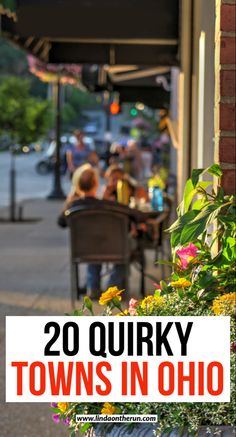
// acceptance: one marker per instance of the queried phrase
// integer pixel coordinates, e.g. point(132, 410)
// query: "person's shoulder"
point(82, 201)
point(115, 206)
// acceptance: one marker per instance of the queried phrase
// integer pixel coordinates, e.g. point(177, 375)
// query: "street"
point(29, 184)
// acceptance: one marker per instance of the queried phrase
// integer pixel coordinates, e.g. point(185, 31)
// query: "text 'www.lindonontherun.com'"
point(97, 418)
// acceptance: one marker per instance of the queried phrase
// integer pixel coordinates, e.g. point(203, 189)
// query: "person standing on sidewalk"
point(79, 154)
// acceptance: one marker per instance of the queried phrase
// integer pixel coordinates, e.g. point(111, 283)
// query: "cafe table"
point(150, 234)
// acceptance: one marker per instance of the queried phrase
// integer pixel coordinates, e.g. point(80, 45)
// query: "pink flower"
point(233, 346)
point(56, 418)
point(186, 254)
point(132, 306)
point(157, 286)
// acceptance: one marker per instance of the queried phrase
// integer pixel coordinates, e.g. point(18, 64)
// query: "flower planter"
point(147, 430)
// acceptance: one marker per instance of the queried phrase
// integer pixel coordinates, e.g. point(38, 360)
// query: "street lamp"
point(57, 192)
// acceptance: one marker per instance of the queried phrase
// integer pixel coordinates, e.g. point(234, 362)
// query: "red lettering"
point(170, 379)
point(186, 378)
point(60, 381)
point(201, 378)
point(32, 379)
point(86, 377)
point(103, 378)
point(124, 378)
point(220, 379)
point(19, 374)
point(142, 378)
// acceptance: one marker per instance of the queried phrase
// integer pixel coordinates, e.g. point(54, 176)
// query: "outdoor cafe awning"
point(98, 31)
point(136, 35)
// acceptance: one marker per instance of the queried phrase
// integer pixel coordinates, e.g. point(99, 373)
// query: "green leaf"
point(204, 184)
point(200, 203)
point(77, 313)
point(206, 280)
point(85, 427)
point(231, 242)
point(180, 292)
point(88, 304)
point(175, 238)
point(195, 227)
point(174, 225)
point(195, 175)
point(163, 285)
point(208, 215)
point(211, 295)
point(189, 193)
point(165, 263)
point(220, 194)
point(215, 170)
point(182, 220)
point(192, 231)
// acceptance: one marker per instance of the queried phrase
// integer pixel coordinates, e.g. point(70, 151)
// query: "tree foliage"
point(22, 117)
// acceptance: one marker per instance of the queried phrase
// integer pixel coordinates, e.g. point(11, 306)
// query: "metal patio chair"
point(97, 235)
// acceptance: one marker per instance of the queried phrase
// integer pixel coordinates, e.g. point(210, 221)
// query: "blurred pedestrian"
point(146, 157)
point(78, 154)
point(134, 155)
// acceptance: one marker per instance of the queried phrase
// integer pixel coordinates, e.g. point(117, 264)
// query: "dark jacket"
point(92, 202)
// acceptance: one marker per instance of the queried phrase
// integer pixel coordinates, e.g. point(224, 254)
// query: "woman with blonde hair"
point(85, 183)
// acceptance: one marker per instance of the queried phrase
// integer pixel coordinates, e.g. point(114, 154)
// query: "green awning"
point(8, 7)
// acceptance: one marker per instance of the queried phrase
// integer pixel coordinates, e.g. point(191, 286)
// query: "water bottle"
point(157, 199)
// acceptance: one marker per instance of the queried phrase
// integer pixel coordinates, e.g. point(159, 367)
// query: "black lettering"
point(101, 352)
point(75, 346)
point(47, 328)
point(130, 339)
point(111, 339)
point(141, 338)
point(161, 338)
point(183, 337)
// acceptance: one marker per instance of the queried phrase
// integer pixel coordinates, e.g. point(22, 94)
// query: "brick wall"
point(225, 71)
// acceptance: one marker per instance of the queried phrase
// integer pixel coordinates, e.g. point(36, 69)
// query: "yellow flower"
point(63, 406)
point(111, 293)
point(123, 313)
point(181, 283)
point(151, 303)
point(225, 304)
point(108, 408)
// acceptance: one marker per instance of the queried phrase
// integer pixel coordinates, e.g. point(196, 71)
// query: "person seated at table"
point(114, 174)
point(85, 186)
point(144, 227)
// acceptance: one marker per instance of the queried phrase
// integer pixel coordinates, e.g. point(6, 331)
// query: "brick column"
point(225, 74)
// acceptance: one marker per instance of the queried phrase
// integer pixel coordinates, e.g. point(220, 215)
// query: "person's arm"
point(61, 220)
point(72, 196)
point(108, 193)
point(70, 162)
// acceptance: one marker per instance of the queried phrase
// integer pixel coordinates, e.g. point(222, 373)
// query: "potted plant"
point(202, 283)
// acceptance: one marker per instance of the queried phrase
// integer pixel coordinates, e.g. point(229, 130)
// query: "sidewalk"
point(35, 280)
point(34, 261)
